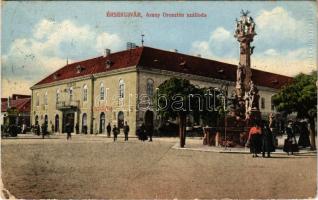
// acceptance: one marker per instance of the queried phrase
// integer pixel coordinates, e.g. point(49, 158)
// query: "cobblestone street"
point(97, 167)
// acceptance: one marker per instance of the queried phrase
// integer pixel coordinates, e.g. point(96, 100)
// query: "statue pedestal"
point(254, 117)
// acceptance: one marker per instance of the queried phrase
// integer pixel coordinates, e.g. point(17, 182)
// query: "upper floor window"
point(37, 99)
point(102, 91)
point(272, 104)
point(58, 93)
point(45, 99)
point(150, 87)
point(85, 90)
point(71, 93)
point(121, 88)
point(263, 103)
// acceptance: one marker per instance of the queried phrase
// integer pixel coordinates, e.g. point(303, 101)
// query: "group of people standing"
point(116, 131)
point(144, 131)
point(261, 140)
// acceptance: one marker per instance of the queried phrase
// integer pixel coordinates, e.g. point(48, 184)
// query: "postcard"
point(158, 99)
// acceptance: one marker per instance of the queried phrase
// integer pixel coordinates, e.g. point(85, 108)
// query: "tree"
point(300, 97)
point(176, 98)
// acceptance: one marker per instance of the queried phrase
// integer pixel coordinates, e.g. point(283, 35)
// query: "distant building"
point(16, 109)
point(102, 90)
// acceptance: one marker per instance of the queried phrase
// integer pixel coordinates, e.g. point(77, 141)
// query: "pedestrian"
point(126, 131)
point(255, 140)
point(77, 128)
point(38, 130)
point(68, 129)
point(115, 132)
point(268, 141)
point(290, 143)
point(109, 129)
point(44, 129)
point(142, 132)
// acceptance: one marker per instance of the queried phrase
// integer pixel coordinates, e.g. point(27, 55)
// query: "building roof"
point(146, 57)
point(22, 105)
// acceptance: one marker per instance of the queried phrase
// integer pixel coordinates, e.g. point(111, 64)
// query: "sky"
point(38, 37)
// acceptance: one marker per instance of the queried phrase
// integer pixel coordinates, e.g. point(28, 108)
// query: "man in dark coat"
point(115, 132)
point(68, 129)
point(44, 129)
point(126, 131)
point(109, 129)
point(268, 141)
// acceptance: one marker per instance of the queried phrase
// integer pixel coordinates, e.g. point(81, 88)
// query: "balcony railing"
point(62, 105)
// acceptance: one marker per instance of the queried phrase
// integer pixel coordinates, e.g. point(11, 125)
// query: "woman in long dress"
point(255, 138)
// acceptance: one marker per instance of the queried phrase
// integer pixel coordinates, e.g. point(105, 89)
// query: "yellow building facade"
point(112, 89)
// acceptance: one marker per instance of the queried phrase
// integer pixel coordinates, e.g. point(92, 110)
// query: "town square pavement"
point(96, 167)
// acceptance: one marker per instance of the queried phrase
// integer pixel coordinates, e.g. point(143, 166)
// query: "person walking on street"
point(115, 132)
point(68, 129)
point(268, 141)
point(126, 131)
point(109, 129)
point(255, 140)
point(44, 129)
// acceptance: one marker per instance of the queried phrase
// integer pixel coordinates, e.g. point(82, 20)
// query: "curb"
point(229, 150)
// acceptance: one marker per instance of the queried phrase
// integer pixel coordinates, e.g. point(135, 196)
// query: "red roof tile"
point(22, 105)
point(147, 57)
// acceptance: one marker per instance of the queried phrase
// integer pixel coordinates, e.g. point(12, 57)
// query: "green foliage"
point(174, 91)
point(300, 96)
point(194, 100)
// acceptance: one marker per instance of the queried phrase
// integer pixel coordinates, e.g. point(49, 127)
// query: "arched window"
point(150, 87)
point(45, 98)
point(37, 99)
point(121, 88)
point(102, 91)
point(263, 103)
point(85, 92)
point(58, 95)
point(71, 93)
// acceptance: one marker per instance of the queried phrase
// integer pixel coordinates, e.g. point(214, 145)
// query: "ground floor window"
point(84, 123)
point(102, 123)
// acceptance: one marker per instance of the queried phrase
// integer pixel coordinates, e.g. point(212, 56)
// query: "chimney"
point(107, 52)
point(199, 55)
point(176, 50)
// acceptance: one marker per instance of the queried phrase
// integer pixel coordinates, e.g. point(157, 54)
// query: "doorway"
point(120, 119)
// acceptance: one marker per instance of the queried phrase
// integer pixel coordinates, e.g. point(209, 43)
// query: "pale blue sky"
point(283, 28)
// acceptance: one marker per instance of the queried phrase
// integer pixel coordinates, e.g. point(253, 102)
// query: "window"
point(272, 104)
point(150, 87)
point(71, 93)
point(121, 88)
point(37, 100)
point(102, 92)
point(263, 103)
point(45, 98)
point(57, 95)
point(85, 92)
